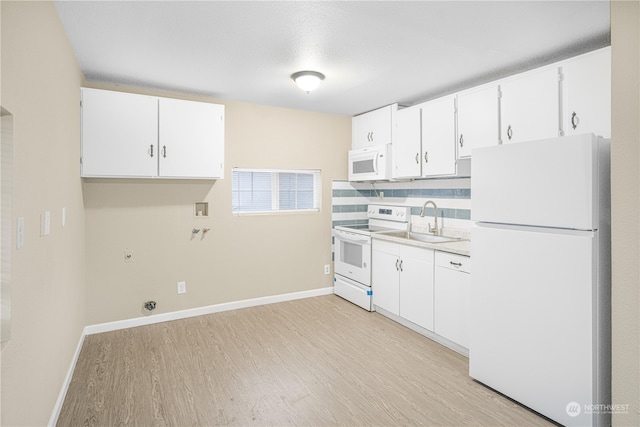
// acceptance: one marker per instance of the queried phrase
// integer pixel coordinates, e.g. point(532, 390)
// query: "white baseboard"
point(175, 315)
point(65, 385)
point(210, 309)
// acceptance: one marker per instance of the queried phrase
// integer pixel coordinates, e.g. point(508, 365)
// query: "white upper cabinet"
point(478, 123)
point(570, 97)
point(138, 136)
point(424, 144)
point(530, 106)
point(439, 137)
point(119, 134)
point(373, 128)
point(406, 144)
point(587, 94)
point(188, 131)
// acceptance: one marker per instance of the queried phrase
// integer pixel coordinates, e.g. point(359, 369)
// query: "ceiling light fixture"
point(307, 80)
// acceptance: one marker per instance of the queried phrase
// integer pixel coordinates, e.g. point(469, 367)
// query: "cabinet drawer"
point(453, 261)
point(385, 246)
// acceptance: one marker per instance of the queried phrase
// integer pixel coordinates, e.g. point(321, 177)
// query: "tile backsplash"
point(451, 195)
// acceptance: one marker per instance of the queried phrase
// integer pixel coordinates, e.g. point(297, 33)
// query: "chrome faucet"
point(433, 230)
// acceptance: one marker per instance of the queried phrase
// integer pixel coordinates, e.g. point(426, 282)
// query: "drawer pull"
point(457, 264)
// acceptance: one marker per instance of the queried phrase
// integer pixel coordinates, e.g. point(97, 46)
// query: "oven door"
point(353, 256)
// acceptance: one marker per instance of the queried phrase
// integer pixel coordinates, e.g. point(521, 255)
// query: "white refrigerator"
point(541, 282)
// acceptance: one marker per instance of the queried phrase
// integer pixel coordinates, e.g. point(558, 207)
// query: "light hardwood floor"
point(317, 361)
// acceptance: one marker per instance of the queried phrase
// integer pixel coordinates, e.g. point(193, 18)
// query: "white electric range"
point(352, 249)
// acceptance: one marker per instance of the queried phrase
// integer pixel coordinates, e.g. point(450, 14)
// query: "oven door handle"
point(341, 235)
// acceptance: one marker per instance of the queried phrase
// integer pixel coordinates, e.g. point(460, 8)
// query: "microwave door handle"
point(375, 164)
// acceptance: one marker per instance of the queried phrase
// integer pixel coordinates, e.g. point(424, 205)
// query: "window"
point(271, 190)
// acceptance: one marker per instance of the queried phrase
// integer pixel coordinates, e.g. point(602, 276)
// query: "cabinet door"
point(477, 120)
point(439, 137)
point(587, 94)
point(373, 128)
point(191, 140)
point(416, 286)
point(406, 144)
point(119, 134)
point(452, 299)
point(384, 276)
point(530, 107)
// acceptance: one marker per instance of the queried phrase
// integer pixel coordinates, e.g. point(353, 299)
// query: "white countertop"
point(460, 247)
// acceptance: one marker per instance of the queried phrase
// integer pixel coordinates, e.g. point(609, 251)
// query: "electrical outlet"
point(182, 288)
point(327, 269)
point(128, 255)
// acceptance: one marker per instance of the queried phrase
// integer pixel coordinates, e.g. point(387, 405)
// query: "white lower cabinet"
point(402, 281)
point(416, 285)
point(452, 297)
point(385, 276)
point(426, 287)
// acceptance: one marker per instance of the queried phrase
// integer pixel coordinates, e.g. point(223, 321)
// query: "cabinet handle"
point(461, 141)
point(164, 151)
point(417, 158)
point(397, 261)
point(575, 120)
point(509, 132)
point(401, 265)
point(426, 157)
point(457, 264)
point(151, 146)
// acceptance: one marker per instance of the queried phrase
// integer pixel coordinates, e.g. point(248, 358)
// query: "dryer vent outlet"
point(150, 305)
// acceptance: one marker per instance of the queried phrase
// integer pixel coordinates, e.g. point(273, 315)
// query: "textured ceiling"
point(372, 53)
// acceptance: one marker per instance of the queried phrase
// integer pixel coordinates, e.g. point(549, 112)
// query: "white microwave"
point(370, 164)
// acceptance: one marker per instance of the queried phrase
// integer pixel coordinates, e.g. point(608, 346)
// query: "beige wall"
point(625, 159)
point(40, 83)
point(242, 256)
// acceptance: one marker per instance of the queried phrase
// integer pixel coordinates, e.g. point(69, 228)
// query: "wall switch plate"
point(45, 224)
point(20, 233)
point(182, 288)
point(327, 269)
point(64, 217)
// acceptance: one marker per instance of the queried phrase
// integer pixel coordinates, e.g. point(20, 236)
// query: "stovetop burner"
point(381, 218)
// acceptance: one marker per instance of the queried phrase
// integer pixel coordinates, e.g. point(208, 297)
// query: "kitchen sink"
point(423, 237)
